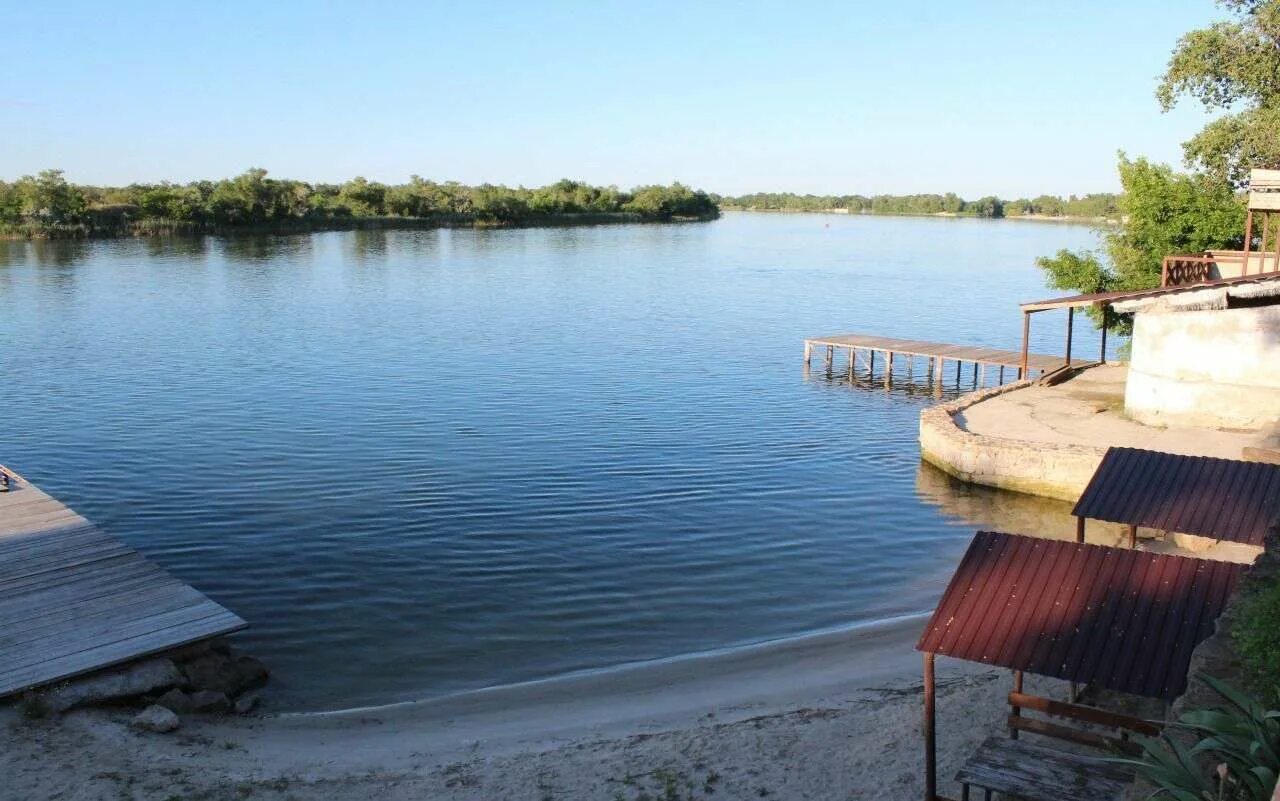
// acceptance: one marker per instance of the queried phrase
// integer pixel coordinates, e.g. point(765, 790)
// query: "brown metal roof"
point(1104, 298)
point(1224, 499)
point(1123, 619)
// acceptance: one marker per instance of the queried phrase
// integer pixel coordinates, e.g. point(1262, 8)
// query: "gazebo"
point(1222, 499)
point(1119, 619)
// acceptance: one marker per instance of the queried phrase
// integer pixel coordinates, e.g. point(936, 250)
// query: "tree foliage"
point(1164, 212)
point(39, 204)
point(1231, 66)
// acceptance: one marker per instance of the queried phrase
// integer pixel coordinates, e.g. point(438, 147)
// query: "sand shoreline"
point(823, 716)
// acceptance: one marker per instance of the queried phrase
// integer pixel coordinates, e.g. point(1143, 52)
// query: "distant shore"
point(944, 214)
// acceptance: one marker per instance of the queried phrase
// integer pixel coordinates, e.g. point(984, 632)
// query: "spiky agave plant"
point(1234, 756)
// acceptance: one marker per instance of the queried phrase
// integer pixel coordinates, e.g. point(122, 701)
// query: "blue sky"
point(1007, 98)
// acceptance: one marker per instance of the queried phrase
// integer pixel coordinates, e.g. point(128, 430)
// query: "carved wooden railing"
point(1181, 270)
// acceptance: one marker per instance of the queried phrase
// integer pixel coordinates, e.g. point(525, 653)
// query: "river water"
point(420, 462)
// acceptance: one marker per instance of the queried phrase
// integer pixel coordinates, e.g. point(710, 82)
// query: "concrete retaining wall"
point(1213, 368)
point(1054, 471)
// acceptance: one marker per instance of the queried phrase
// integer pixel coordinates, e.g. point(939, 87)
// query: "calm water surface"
point(423, 462)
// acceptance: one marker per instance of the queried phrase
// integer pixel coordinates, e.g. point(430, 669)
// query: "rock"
point(246, 703)
point(176, 700)
point(231, 674)
point(210, 701)
point(155, 718)
point(136, 679)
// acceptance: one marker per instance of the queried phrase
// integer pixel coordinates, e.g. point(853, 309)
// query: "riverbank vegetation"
point(47, 205)
point(1230, 67)
point(1094, 206)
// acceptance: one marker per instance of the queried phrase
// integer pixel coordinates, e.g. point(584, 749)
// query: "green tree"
point(1165, 212)
point(1231, 66)
point(49, 198)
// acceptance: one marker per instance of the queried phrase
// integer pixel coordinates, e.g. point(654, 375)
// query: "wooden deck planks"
point(74, 599)
point(943, 350)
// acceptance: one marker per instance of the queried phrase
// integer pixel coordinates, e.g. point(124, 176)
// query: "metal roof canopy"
point(1224, 499)
point(1120, 619)
point(1107, 298)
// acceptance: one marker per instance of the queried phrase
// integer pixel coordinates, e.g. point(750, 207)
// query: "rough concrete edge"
point(1003, 462)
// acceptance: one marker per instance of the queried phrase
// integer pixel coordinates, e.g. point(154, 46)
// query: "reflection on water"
point(1013, 512)
point(430, 461)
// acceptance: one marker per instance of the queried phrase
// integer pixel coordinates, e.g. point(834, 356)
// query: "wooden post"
point(1079, 529)
point(1017, 710)
point(1000, 380)
point(888, 370)
point(871, 363)
point(1026, 341)
point(1102, 357)
point(853, 357)
point(808, 351)
point(1248, 236)
point(930, 741)
point(1133, 536)
point(975, 375)
point(831, 356)
point(1071, 316)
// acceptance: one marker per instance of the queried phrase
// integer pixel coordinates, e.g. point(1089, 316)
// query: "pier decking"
point(74, 599)
point(937, 354)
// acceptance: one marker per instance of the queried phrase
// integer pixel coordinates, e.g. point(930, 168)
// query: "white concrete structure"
point(1213, 367)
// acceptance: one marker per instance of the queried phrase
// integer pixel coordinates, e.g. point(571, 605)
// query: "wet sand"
point(833, 715)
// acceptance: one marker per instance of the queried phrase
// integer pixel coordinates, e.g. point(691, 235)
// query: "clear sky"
point(1008, 98)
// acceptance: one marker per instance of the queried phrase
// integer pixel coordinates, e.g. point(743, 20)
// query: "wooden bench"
point(1039, 773)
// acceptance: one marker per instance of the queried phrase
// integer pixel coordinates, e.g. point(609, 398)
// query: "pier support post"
point(831, 355)
point(808, 351)
point(888, 370)
point(871, 363)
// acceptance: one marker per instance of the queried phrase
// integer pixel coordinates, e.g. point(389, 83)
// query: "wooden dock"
point(74, 599)
point(865, 347)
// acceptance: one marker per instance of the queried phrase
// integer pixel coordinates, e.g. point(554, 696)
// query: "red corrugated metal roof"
point(1123, 619)
point(1220, 498)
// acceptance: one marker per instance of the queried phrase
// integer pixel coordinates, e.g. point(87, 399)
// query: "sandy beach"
point(828, 716)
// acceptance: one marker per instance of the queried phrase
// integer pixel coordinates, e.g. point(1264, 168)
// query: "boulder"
point(230, 674)
point(112, 685)
point(246, 703)
point(155, 718)
point(210, 701)
point(176, 700)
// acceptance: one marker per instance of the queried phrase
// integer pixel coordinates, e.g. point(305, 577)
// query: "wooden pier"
point(865, 347)
point(74, 599)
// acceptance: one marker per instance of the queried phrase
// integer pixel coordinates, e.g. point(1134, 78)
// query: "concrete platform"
point(1049, 440)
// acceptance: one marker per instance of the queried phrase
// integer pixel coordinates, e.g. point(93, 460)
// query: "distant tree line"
point(1093, 206)
point(48, 205)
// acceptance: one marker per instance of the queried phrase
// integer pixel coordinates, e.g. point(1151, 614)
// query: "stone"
point(176, 700)
point(246, 703)
point(156, 718)
point(210, 701)
point(231, 674)
point(132, 680)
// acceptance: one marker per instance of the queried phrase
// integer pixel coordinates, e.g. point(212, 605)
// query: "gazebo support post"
point(1026, 342)
point(1017, 710)
point(930, 740)
point(1071, 317)
point(1102, 356)
point(1079, 529)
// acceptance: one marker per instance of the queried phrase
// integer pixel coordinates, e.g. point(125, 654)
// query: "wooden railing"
point(1181, 270)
